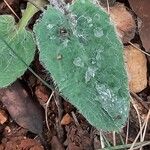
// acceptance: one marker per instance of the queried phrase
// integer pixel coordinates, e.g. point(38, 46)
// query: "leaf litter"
point(141, 9)
point(22, 109)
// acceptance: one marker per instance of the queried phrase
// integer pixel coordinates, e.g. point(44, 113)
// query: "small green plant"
point(82, 52)
point(21, 40)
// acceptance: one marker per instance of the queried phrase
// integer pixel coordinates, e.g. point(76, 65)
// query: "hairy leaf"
point(22, 42)
point(85, 58)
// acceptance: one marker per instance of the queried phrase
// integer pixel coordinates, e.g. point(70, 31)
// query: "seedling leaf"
point(85, 58)
point(21, 42)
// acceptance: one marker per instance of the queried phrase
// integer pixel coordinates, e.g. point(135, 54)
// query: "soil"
point(74, 132)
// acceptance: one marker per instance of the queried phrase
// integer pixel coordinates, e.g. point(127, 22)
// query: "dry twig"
point(46, 109)
point(11, 9)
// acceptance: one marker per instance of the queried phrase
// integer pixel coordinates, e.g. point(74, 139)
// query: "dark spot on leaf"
point(64, 33)
point(59, 57)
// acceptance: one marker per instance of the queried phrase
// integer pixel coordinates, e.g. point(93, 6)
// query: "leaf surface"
point(85, 58)
point(21, 42)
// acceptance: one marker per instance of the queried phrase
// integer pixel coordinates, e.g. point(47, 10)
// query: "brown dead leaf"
point(42, 94)
point(55, 144)
point(21, 107)
point(142, 10)
point(20, 143)
point(30, 144)
point(66, 119)
point(78, 138)
point(2, 147)
point(3, 117)
point(124, 22)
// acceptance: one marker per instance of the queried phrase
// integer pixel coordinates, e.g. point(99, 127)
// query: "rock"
point(136, 65)
point(3, 117)
point(124, 22)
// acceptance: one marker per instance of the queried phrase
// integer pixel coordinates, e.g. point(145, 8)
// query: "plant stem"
point(29, 12)
point(30, 69)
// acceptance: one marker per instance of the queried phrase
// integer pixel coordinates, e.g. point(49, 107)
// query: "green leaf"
point(21, 42)
point(85, 58)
